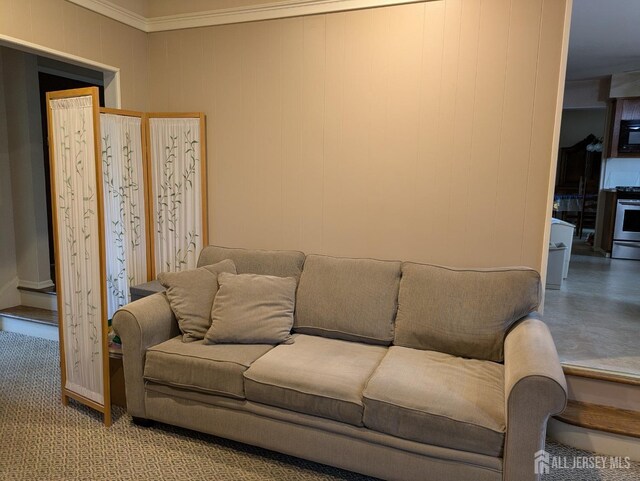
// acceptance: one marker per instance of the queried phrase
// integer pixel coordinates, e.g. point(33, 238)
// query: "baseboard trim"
point(39, 299)
point(35, 285)
point(28, 328)
point(9, 294)
point(594, 441)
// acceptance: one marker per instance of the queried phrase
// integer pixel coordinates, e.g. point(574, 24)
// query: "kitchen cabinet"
point(624, 110)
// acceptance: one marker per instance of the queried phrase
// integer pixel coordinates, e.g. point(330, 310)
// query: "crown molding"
point(115, 12)
point(266, 11)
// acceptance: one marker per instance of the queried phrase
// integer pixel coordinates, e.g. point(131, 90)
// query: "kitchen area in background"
point(592, 302)
point(618, 231)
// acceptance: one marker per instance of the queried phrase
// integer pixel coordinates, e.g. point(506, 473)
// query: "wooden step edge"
point(601, 375)
point(601, 418)
point(31, 315)
point(50, 291)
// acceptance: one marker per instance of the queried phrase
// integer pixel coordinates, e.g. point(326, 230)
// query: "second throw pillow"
point(252, 309)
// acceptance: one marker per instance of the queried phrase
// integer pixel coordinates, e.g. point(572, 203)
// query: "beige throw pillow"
point(191, 295)
point(252, 309)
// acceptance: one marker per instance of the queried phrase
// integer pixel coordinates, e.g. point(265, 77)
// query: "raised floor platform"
point(33, 314)
point(602, 418)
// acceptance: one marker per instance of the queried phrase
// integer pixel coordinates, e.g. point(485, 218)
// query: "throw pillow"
point(191, 295)
point(252, 309)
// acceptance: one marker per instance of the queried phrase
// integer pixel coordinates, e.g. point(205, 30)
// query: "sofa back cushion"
point(464, 312)
point(254, 261)
point(351, 299)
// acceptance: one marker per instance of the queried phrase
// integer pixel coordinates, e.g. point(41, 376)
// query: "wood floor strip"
point(601, 375)
point(32, 314)
point(602, 418)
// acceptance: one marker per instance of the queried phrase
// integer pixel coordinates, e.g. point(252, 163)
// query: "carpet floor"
point(40, 439)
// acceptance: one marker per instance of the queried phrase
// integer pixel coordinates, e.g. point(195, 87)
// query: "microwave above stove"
point(629, 140)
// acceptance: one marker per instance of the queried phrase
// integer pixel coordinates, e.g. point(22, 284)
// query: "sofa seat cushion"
point(438, 399)
point(315, 375)
point(215, 369)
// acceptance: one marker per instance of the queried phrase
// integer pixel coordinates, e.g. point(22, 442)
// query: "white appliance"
point(555, 265)
point(562, 233)
point(626, 232)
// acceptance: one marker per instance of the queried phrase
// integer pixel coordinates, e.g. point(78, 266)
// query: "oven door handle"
point(629, 202)
point(635, 245)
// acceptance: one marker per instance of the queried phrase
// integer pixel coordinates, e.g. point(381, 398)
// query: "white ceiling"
point(604, 39)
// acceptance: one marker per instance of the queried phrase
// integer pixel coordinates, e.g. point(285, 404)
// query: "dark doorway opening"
point(50, 83)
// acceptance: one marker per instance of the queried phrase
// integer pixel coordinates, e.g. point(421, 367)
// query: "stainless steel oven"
point(626, 233)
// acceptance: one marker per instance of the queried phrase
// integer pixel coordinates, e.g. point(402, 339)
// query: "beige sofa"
point(397, 370)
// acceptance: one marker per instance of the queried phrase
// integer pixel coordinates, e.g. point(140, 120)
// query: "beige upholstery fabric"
point(463, 312)
point(314, 375)
point(535, 388)
point(254, 261)
point(438, 399)
point(295, 437)
point(140, 325)
point(252, 309)
point(352, 299)
point(195, 366)
point(191, 295)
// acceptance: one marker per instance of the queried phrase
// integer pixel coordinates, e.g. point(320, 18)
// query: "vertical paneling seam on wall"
point(212, 155)
point(535, 90)
point(301, 218)
point(473, 105)
point(324, 128)
point(281, 121)
point(101, 38)
point(420, 125)
point(439, 105)
point(452, 192)
point(31, 28)
point(367, 150)
point(500, 147)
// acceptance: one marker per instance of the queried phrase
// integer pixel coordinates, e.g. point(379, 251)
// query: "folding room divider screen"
point(122, 182)
point(124, 173)
point(77, 207)
point(179, 189)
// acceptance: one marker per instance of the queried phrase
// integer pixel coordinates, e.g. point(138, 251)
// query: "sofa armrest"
point(535, 388)
point(140, 325)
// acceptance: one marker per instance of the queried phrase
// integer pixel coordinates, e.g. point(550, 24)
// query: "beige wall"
point(422, 131)
point(68, 28)
point(62, 26)
point(25, 148)
point(8, 270)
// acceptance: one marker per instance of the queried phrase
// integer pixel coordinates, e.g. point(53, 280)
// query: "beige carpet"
point(42, 440)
